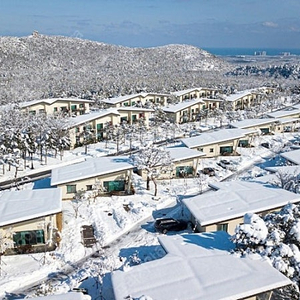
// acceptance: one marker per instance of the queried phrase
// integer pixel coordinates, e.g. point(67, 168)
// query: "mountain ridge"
point(41, 66)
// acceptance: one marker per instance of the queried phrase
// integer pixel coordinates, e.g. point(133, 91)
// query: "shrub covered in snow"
point(275, 237)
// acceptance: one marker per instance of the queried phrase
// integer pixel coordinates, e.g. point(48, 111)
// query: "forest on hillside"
point(40, 66)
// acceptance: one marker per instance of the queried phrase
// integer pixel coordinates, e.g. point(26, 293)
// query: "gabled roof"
point(53, 100)
point(290, 170)
point(198, 266)
point(119, 99)
point(236, 198)
point(134, 108)
point(238, 95)
point(181, 105)
point(209, 138)
point(252, 122)
point(284, 113)
point(92, 167)
point(81, 119)
point(292, 156)
point(23, 205)
point(183, 153)
point(187, 91)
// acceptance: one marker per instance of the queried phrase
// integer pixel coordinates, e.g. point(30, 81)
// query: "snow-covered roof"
point(291, 170)
point(67, 296)
point(297, 106)
point(288, 120)
point(238, 95)
point(197, 266)
point(292, 156)
point(236, 198)
point(187, 91)
point(81, 119)
point(284, 113)
point(212, 99)
point(119, 99)
point(134, 108)
point(53, 100)
point(182, 153)
point(90, 168)
point(181, 105)
point(208, 138)
point(252, 122)
point(23, 205)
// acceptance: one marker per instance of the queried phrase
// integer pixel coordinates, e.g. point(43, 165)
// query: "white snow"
point(92, 167)
point(67, 296)
point(252, 122)
point(214, 137)
point(181, 105)
point(292, 156)
point(197, 266)
point(17, 206)
point(236, 198)
point(111, 221)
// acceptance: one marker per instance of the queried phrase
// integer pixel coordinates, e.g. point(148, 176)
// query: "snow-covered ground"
point(123, 226)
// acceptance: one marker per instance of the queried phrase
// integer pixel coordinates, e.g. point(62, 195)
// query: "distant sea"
point(250, 51)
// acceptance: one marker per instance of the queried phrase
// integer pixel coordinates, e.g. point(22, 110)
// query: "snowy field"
point(123, 225)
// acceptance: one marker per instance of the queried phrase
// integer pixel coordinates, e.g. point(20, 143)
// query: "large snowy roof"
point(252, 122)
point(67, 296)
point(284, 113)
point(197, 266)
point(182, 153)
point(90, 168)
point(214, 137)
point(18, 206)
point(81, 119)
point(292, 156)
point(181, 105)
point(236, 198)
point(53, 100)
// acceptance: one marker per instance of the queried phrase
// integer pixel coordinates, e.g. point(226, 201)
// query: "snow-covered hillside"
point(41, 66)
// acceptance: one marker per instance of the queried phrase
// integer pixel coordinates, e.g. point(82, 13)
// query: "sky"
point(151, 23)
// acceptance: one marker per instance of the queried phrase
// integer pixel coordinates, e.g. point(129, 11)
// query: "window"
point(117, 185)
point(73, 107)
point(55, 109)
point(29, 237)
point(81, 105)
point(133, 118)
point(89, 187)
point(211, 150)
point(71, 188)
point(100, 127)
point(222, 227)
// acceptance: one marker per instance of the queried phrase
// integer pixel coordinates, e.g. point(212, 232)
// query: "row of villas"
point(212, 213)
point(218, 210)
point(131, 108)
